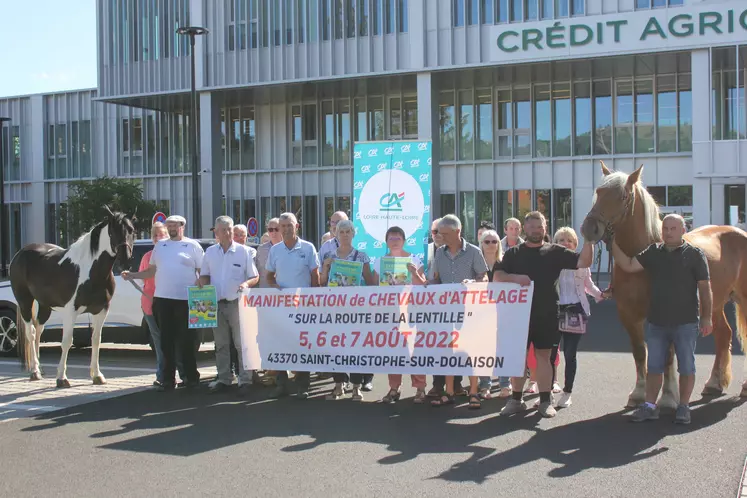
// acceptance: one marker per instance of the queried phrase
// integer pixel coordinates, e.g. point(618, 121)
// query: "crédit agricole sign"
point(640, 31)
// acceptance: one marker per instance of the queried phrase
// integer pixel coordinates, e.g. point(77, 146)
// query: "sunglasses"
point(273, 229)
point(489, 241)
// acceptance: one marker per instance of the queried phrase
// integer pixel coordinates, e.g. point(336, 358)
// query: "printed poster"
point(203, 307)
point(393, 271)
point(345, 273)
point(392, 187)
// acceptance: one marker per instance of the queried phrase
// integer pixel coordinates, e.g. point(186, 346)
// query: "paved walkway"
point(21, 398)
point(744, 481)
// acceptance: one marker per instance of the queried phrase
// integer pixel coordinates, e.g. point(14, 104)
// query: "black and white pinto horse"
point(46, 277)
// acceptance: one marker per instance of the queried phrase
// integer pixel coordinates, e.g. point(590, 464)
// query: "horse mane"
point(88, 246)
point(618, 180)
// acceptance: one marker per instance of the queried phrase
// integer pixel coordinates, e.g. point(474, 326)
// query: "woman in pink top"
point(157, 232)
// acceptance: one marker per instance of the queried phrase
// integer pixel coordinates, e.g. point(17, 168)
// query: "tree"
point(86, 200)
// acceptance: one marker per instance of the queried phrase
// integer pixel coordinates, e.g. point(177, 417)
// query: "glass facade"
point(729, 115)
point(625, 105)
point(476, 12)
point(308, 21)
point(69, 151)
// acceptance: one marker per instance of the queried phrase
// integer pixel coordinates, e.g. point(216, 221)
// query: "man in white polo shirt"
point(229, 267)
point(292, 263)
point(175, 263)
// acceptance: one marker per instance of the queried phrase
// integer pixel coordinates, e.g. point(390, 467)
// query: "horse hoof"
point(711, 391)
point(35, 376)
point(63, 383)
point(99, 380)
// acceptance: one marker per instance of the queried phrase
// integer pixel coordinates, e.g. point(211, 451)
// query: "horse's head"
point(121, 234)
point(613, 202)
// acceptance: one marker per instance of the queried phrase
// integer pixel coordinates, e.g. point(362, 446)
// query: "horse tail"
point(22, 344)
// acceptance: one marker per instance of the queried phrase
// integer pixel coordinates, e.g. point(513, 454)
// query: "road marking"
point(23, 406)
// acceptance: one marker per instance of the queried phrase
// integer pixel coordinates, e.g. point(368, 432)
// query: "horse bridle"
point(609, 234)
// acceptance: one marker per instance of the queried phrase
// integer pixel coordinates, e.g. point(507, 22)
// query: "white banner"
point(454, 329)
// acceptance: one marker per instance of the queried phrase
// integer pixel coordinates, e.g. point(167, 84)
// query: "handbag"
point(572, 321)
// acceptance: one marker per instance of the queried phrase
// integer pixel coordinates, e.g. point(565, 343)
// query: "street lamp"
point(3, 221)
point(193, 31)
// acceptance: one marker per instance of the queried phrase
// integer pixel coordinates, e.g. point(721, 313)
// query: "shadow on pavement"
point(190, 423)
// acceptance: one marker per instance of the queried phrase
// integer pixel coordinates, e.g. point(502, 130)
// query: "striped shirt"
point(466, 264)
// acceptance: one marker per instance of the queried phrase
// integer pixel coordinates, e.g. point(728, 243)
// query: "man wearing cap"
point(230, 268)
point(175, 264)
point(290, 264)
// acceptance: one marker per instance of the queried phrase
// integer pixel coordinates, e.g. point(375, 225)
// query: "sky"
point(47, 46)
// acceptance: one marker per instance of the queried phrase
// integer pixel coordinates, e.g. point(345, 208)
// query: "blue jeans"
point(155, 334)
point(660, 338)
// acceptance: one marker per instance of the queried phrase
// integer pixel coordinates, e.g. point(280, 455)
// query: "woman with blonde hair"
point(574, 310)
point(492, 251)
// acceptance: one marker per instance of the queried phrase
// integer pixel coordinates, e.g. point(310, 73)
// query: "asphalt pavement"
point(194, 444)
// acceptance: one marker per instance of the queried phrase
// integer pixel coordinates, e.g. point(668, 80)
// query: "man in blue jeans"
point(680, 287)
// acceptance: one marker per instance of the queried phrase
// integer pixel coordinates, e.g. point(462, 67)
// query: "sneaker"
point(546, 409)
point(565, 400)
point(357, 394)
point(302, 394)
point(505, 392)
point(556, 388)
point(682, 415)
point(513, 406)
point(485, 393)
point(218, 388)
point(645, 412)
point(337, 393)
point(367, 387)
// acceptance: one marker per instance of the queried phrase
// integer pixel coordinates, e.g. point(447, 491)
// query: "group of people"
point(559, 312)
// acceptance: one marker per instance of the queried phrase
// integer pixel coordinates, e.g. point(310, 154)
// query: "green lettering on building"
point(653, 27)
point(684, 25)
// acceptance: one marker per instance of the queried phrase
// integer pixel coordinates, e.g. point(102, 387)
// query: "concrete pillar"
point(702, 144)
point(718, 215)
point(428, 124)
point(36, 223)
point(211, 174)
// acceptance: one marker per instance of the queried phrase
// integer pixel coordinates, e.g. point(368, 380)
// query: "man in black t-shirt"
point(539, 262)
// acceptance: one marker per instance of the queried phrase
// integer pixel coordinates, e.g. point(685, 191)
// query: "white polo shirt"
point(227, 270)
point(293, 267)
point(176, 263)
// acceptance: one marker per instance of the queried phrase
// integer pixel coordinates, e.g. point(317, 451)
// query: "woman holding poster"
point(399, 267)
point(347, 267)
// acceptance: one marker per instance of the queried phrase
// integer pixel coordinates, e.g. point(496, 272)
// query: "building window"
point(342, 122)
point(378, 17)
point(484, 120)
point(467, 215)
point(362, 17)
point(504, 209)
point(448, 126)
point(390, 12)
point(655, 4)
point(582, 119)
point(338, 12)
point(351, 22)
point(504, 123)
point(466, 121)
point(402, 15)
point(522, 112)
point(448, 204)
point(542, 120)
point(376, 118)
point(561, 112)
point(729, 113)
point(623, 117)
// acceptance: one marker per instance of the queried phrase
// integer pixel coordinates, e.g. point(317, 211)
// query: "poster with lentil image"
point(203, 307)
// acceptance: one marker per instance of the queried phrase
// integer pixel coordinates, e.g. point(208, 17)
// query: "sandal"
point(474, 402)
point(460, 391)
point(435, 392)
point(419, 397)
point(446, 399)
point(392, 396)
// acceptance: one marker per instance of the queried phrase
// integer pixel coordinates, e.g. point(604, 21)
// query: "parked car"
point(124, 324)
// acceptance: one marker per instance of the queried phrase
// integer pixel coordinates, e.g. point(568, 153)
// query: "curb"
point(742, 488)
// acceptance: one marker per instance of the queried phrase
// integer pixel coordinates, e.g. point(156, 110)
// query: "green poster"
point(393, 271)
point(345, 273)
point(203, 307)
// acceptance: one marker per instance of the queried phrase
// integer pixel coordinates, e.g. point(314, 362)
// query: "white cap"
point(175, 218)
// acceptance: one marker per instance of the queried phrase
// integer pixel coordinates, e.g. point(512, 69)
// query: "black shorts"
point(544, 333)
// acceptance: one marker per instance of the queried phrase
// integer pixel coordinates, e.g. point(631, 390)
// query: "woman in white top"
point(573, 286)
point(346, 252)
point(395, 242)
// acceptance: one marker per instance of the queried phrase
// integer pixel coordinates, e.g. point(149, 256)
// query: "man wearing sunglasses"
point(273, 230)
point(437, 242)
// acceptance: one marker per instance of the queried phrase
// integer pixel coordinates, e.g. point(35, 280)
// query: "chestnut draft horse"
point(623, 208)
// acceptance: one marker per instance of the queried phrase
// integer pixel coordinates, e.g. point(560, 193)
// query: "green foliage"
point(86, 200)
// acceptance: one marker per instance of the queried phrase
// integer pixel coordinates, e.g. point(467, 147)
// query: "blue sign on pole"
point(392, 187)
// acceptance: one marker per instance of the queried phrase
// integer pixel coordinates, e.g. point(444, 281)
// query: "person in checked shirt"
point(229, 267)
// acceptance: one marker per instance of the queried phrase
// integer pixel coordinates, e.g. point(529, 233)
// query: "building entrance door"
point(734, 205)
